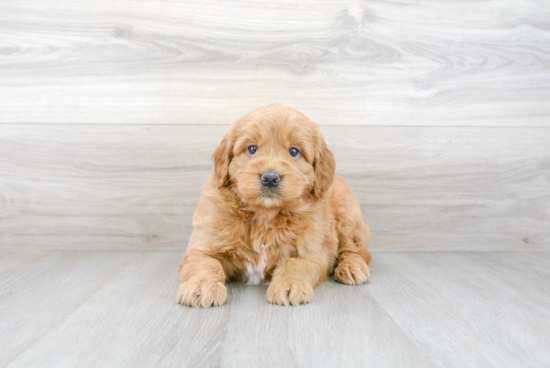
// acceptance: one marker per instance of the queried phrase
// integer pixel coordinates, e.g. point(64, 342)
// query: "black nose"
point(270, 179)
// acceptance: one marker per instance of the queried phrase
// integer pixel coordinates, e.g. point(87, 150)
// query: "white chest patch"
point(256, 272)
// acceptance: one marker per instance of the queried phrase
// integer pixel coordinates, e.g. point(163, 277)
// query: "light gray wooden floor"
point(117, 308)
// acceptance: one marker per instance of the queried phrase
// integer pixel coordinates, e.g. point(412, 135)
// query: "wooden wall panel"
point(136, 186)
point(406, 62)
point(438, 113)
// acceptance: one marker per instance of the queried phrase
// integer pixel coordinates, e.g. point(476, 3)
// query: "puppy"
point(273, 213)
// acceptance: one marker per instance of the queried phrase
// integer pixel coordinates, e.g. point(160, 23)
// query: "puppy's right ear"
point(222, 157)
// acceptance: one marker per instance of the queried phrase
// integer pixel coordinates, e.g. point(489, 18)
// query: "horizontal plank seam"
point(322, 125)
point(180, 251)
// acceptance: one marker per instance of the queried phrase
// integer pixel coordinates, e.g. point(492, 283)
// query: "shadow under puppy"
point(273, 212)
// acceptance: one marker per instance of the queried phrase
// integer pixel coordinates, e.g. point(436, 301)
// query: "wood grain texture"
point(130, 317)
point(344, 326)
point(493, 306)
point(136, 187)
point(418, 309)
point(45, 289)
point(427, 62)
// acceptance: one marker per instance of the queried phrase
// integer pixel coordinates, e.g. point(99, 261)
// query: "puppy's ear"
point(324, 166)
point(222, 157)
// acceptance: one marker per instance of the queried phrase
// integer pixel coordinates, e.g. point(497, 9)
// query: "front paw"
point(352, 272)
point(201, 293)
point(289, 292)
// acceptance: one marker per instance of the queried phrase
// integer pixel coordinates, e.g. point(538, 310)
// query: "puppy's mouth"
point(270, 193)
point(270, 197)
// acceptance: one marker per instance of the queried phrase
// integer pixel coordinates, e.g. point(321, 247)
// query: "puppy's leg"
point(202, 281)
point(353, 256)
point(294, 281)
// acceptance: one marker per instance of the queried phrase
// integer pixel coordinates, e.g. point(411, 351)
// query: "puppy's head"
point(272, 156)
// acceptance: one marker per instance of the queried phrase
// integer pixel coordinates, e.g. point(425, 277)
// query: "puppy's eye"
point(252, 150)
point(294, 152)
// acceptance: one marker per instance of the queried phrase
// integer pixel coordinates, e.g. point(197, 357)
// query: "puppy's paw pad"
point(289, 292)
point(201, 293)
point(352, 272)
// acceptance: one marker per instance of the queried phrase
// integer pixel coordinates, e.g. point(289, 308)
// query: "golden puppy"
point(273, 212)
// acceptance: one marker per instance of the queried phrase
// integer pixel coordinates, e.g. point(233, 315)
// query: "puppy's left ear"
point(324, 166)
point(222, 157)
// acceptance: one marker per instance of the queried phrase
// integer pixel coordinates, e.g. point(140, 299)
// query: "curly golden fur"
point(292, 233)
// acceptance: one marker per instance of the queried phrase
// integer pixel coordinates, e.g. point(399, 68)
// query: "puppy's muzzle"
point(270, 178)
